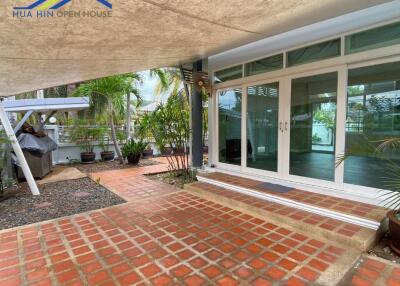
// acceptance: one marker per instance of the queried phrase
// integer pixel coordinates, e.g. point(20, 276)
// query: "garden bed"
point(111, 165)
point(57, 199)
point(171, 179)
point(382, 250)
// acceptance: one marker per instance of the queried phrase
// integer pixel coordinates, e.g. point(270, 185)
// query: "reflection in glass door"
point(373, 115)
point(229, 126)
point(262, 126)
point(313, 126)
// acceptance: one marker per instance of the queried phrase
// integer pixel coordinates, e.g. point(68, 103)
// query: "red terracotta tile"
point(161, 280)
point(194, 280)
point(261, 282)
point(308, 273)
point(358, 281)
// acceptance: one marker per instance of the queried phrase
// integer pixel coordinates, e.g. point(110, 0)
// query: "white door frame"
point(337, 187)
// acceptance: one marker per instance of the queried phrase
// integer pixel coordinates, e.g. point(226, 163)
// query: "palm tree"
point(136, 80)
point(107, 99)
point(169, 79)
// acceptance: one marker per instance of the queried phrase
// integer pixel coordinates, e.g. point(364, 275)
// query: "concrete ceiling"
point(37, 53)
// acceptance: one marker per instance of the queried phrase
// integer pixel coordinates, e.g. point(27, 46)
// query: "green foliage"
point(380, 149)
point(84, 134)
point(104, 138)
point(316, 138)
point(169, 126)
point(326, 117)
point(4, 153)
point(59, 91)
point(133, 148)
point(108, 99)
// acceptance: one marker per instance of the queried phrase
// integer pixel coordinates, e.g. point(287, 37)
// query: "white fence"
point(67, 151)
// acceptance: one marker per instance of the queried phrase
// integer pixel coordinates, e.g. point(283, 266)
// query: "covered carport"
point(51, 49)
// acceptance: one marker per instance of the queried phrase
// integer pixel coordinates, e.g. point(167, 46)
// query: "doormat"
point(273, 187)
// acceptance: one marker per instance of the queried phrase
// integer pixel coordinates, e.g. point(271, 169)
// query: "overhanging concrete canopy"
point(38, 53)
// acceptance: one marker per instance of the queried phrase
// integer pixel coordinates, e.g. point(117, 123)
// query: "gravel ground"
point(113, 165)
point(382, 250)
point(56, 200)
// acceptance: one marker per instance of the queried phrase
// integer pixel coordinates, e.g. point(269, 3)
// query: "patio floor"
point(167, 236)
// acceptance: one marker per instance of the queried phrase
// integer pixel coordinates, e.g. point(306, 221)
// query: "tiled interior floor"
point(170, 237)
point(332, 203)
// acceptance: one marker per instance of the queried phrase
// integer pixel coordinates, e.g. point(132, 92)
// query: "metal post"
point(197, 117)
point(17, 150)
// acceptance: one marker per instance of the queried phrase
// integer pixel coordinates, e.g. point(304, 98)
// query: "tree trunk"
point(128, 116)
point(114, 138)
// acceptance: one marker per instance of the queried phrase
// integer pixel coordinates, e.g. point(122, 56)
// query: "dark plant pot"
point(166, 151)
point(88, 157)
point(394, 228)
point(180, 151)
point(148, 153)
point(107, 155)
point(205, 149)
point(134, 159)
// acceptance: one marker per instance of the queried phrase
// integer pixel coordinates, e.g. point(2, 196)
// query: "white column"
point(17, 150)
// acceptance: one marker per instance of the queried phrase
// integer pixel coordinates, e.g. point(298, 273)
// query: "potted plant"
point(104, 142)
point(133, 150)
point(84, 136)
point(145, 132)
point(148, 152)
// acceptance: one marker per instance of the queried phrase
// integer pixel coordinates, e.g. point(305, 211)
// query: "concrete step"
point(316, 225)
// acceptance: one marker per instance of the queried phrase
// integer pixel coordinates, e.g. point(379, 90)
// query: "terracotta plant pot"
point(394, 228)
point(148, 153)
point(88, 157)
point(133, 159)
point(107, 155)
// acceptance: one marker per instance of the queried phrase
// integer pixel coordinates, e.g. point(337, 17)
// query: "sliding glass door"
point(229, 126)
point(373, 116)
point(262, 126)
point(289, 128)
point(313, 126)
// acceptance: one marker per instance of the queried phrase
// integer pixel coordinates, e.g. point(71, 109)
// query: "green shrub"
point(133, 148)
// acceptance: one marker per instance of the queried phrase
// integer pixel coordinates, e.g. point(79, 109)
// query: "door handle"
point(286, 124)
point(280, 126)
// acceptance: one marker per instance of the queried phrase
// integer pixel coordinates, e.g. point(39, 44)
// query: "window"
point(313, 53)
point(374, 38)
point(228, 74)
point(229, 126)
point(264, 65)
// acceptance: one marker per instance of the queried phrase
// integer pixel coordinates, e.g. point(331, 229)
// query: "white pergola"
point(29, 106)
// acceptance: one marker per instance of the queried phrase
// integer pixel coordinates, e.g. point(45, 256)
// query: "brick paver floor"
point(122, 183)
point(168, 237)
point(373, 271)
point(333, 203)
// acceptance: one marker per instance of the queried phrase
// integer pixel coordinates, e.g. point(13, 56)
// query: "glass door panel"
point(262, 126)
point(229, 126)
point(373, 115)
point(313, 126)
